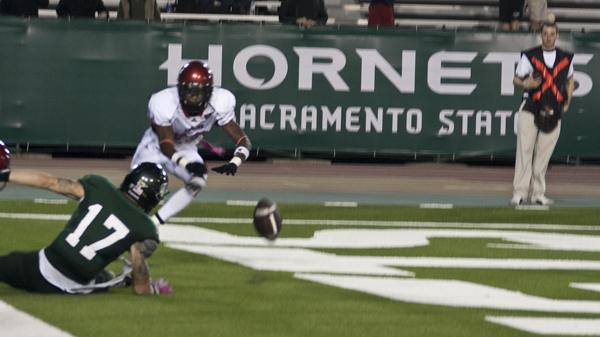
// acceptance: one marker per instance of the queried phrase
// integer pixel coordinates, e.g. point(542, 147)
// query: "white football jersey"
point(164, 110)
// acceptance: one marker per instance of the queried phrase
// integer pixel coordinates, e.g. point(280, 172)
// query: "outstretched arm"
point(67, 187)
point(166, 140)
point(241, 152)
point(142, 284)
point(140, 273)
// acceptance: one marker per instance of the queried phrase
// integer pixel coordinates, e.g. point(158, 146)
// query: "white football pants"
point(149, 151)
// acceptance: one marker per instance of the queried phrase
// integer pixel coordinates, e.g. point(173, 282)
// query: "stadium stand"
point(262, 11)
point(448, 14)
point(570, 14)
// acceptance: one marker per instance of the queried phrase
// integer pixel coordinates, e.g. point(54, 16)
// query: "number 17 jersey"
point(104, 226)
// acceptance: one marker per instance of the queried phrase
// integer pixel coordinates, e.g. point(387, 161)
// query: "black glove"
point(230, 169)
point(4, 175)
point(196, 168)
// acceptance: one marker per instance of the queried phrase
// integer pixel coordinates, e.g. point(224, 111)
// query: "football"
point(267, 219)
point(4, 165)
point(4, 156)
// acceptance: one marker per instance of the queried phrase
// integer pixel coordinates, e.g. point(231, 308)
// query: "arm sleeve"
point(524, 67)
point(160, 111)
point(147, 247)
point(224, 105)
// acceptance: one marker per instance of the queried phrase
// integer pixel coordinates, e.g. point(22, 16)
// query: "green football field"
point(364, 271)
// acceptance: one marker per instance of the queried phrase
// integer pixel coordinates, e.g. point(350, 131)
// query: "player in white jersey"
point(179, 118)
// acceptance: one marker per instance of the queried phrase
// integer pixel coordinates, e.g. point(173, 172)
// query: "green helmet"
point(146, 184)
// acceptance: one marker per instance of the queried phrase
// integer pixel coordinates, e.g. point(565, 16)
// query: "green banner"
point(328, 90)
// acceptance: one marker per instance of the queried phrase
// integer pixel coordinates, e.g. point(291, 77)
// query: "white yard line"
point(241, 202)
point(350, 204)
point(550, 325)
point(16, 323)
point(349, 223)
point(452, 293)
point(585, 286)
point(436, 206)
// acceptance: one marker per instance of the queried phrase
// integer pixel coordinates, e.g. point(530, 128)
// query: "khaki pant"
point(534, 149)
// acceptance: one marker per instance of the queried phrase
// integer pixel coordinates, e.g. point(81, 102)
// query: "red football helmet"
point(4, 164)
point(194, 85)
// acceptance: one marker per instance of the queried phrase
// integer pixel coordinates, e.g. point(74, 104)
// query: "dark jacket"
point(138, 10)
point(194, 6)
point(22, 7)
point(290, 10)
point(80, 8)
point(385, 2)
point(554, 95)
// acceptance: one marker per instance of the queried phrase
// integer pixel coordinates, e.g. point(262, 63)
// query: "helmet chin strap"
point(192, 110)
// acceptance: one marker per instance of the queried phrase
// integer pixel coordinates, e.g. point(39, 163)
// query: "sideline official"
point(546, 75)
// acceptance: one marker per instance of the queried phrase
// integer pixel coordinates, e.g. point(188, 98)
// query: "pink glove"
point(160, 287)
point(219, 151)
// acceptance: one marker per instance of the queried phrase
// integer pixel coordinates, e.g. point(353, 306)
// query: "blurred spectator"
point(138, 10)
point(305, 13)
point(537, 11)
point(511, 12)
point(81, 9)
point(26, 8)
point(194, 6)
point(235, 6)
point(381, 13)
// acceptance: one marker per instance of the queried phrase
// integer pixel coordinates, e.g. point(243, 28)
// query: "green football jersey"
point(102, 228)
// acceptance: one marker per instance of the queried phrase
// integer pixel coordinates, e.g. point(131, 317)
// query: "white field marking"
point(408, 224)
point(347, 223)
point(241, 202)
point(290, 259)
point(586, 286)
point(50, 201)
point(349, 204)
point(453, 293)
point(16, 323)
point(532, 208)
point(514, 246)
point(378, 275)
point(436, 206)
point(382, 238)
point(196, 239)
point(550, 325)
point(34, 216)
point(483, 263)
point(270, 257)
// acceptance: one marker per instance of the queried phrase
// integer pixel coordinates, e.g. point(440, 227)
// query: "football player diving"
point(107, 222)
point(179, 117)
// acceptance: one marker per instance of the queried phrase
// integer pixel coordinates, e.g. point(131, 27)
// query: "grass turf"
point(217, 298)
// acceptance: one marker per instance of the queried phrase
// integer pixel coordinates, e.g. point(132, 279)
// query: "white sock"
point(177, 202)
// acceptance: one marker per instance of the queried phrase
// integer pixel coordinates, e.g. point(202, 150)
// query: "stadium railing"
point(449, 14)
point(571, 14)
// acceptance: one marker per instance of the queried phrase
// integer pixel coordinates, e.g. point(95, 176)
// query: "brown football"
point(4, 156)
point(267, 219)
